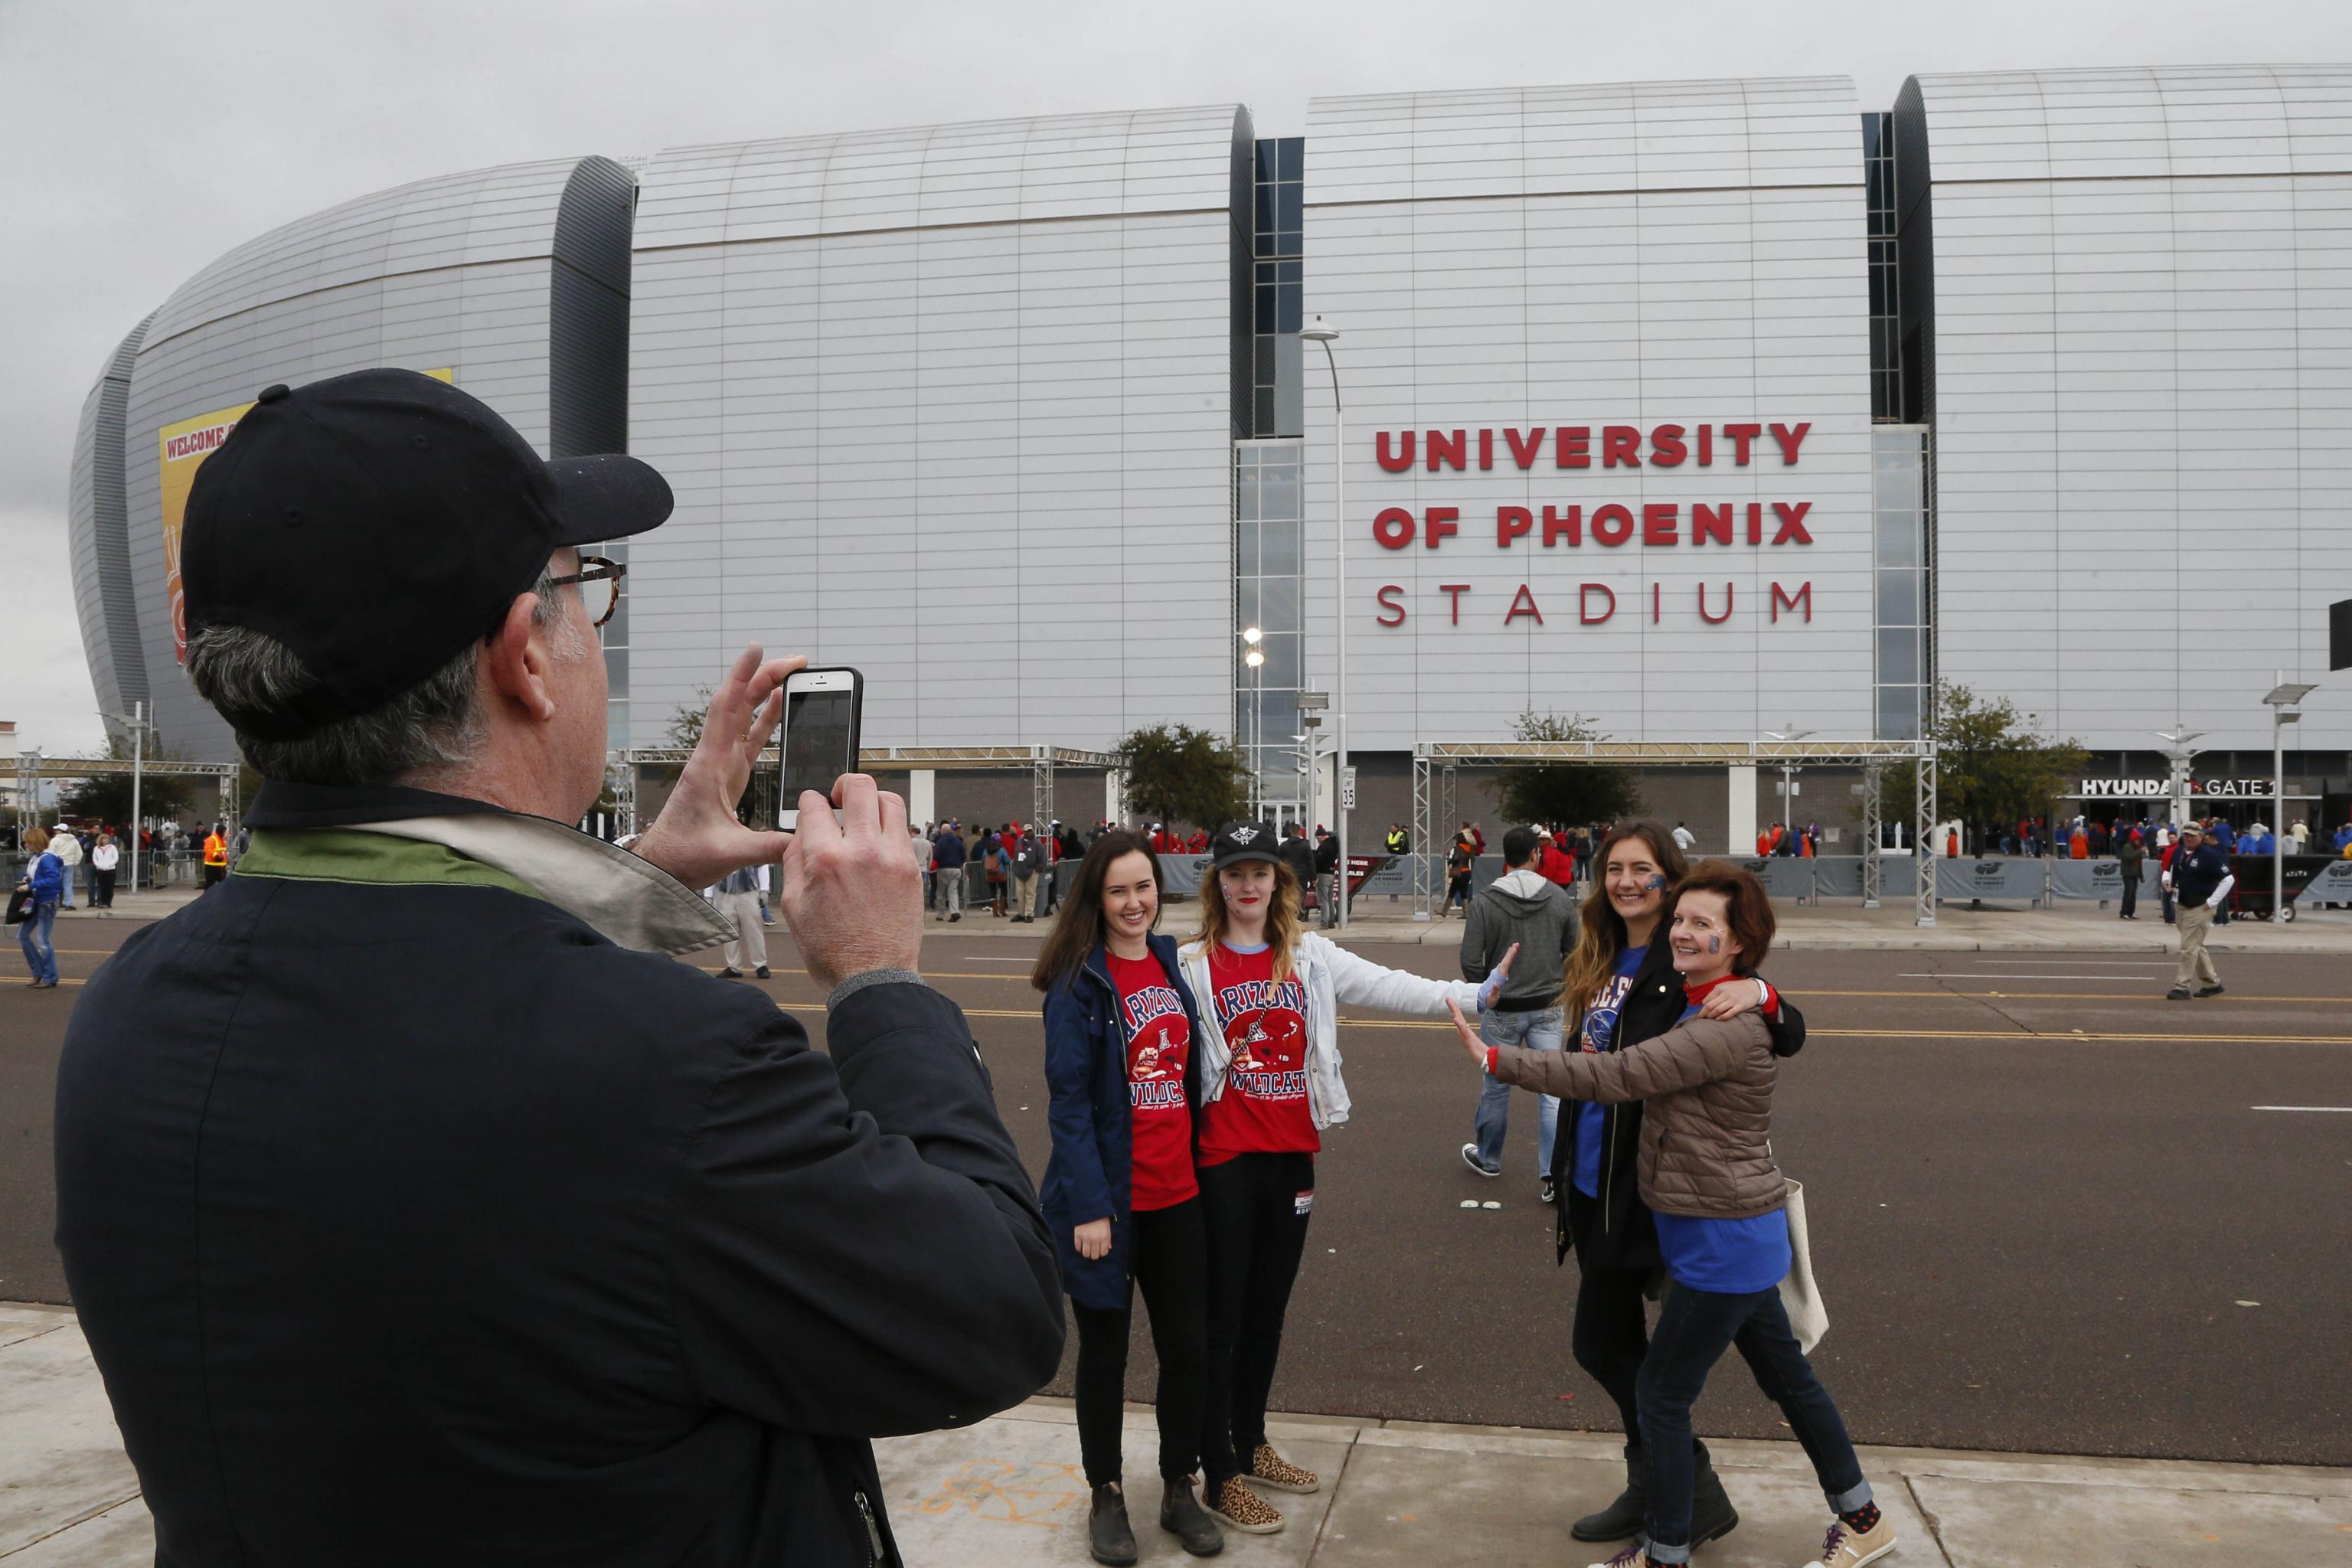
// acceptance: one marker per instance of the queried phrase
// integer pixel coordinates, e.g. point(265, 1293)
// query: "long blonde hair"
point(1283, 924)
point(1603, 937)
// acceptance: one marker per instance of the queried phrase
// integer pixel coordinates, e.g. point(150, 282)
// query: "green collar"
point(376, 860)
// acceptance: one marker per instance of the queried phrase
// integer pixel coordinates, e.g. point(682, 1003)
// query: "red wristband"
point(1492, 1052)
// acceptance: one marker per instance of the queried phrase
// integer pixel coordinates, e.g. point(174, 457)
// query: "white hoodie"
point(1330, 974)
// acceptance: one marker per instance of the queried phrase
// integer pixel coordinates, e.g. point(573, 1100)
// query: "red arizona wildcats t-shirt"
point(1264, 1109)
point(1159, 1043)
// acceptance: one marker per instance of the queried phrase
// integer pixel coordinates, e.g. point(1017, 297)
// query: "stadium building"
point(1707, 412)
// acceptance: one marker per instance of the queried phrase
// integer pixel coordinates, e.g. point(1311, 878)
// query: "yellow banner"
point(182, 449)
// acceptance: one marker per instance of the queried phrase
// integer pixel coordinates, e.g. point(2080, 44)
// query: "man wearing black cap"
point(417, 1206)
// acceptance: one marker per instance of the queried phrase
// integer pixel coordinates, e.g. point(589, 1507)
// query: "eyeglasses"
point(597, 569)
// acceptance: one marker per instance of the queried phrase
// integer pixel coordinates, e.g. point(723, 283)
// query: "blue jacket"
point(1088, 1176)
point(48, 878)
point(947, 851)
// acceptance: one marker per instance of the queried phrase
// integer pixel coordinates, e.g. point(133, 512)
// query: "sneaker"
point(1470, 1158)
point(1633, 1557)
point(1268, 1468)
point(1550, 1193)
point(955, 916)
point(731, 974)
point(1844, 1549)
point(762, 972)
point(2176, 993)
point(2210, 991)
point(1245, 1510)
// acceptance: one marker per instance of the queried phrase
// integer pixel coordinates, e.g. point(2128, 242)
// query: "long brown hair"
point(1080, 928)
point(1602, 939)
point(1283, 924)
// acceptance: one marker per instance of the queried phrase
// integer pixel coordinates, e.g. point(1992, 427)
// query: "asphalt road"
point(2047, 1215)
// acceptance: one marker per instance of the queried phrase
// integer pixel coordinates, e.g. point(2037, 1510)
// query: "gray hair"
point(437, 724)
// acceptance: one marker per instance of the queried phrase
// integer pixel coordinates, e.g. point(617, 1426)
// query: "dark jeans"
point(2131, 897)
point(1693, 1329)
point(1611, 1336)
point(1257, 1207)
point(1171, 1255)
point(105, 899)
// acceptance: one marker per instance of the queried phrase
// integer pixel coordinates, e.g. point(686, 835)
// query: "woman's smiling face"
point(1635, 883)
point(1130, 897)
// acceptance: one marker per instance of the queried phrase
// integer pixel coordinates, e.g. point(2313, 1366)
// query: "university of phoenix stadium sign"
point(1594, 524)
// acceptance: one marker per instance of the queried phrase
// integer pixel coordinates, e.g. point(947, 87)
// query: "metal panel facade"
point(451, 273)
point(98, 532)
point(952, 406)
point(1640, 255)
point(2143, 280)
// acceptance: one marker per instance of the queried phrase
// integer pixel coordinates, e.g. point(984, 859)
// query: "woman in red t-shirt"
point(1120, 1193)
point(1269, 991)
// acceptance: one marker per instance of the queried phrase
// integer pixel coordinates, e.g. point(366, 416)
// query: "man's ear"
point(517, 662)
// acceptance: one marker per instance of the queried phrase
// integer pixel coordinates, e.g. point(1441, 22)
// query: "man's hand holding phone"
point(697, 838)
point(851, 894)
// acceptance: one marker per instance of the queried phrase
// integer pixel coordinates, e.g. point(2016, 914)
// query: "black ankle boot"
point(1182, 1515)
point(1712, 1515)
point(1107, 1531)
point(1622, 1519)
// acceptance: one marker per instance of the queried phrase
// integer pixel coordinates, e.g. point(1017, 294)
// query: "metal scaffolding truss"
point(1435, 764)
point(1041, 762)
point(32, 767)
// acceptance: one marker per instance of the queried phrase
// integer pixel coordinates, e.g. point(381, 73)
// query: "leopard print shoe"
point(1268, 1468)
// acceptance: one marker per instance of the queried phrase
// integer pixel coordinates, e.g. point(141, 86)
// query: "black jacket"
point(1299, 856)
point(1326, 856)
point(413, 1221)
point(1615, 1230)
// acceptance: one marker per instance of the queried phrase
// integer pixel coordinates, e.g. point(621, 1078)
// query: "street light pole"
point(2284, 696)
point(1787, 774)
point(1320, 332)
point(136, 719)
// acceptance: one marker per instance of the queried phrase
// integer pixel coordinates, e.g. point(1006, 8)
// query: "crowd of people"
point(91, 856)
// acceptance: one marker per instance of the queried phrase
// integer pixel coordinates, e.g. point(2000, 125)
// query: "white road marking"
point(2341, 1109)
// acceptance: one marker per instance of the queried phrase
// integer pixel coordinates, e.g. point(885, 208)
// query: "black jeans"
point(1258, 1206)
point(2131, 898)
point(104, 899)
point(1171, 1260)
point(1611, 1336)
point(1694, 1327)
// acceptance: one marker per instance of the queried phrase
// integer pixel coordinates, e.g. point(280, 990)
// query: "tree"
point(1567, 793)
point(1177, 773)
point(1991, 771)
point(107, 796)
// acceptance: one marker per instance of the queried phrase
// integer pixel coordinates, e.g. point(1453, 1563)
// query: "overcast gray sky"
point(139, 138)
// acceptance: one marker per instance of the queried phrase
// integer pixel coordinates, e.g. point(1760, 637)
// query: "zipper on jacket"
point(872, 1531)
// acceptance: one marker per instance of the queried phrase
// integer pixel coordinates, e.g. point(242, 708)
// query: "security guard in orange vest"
point(216, 857)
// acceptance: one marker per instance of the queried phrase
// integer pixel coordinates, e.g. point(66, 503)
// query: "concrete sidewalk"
point(1008, 1493)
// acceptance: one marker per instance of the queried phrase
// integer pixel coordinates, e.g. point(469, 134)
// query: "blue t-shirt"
point(1599, 1025)
point(1729, 1256)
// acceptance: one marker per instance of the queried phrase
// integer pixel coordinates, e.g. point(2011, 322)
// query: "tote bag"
point(1808, 1319)
point(20, 907)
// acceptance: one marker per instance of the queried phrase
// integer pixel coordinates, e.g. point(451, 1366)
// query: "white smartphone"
point(819, 742)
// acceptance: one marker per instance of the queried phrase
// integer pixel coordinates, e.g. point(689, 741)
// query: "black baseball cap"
point(1237, 841)
point(376, 523)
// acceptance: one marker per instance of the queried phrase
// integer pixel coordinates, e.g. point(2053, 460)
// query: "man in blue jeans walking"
point(1519, 907)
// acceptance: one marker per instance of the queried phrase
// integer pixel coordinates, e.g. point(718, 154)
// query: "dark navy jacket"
point(411, 1220)
point(1088, 1176)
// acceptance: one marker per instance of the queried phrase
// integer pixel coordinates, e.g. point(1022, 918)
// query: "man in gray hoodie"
point(1521, 907)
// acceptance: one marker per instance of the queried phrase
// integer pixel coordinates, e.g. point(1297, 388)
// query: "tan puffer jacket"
point(1707, 1114)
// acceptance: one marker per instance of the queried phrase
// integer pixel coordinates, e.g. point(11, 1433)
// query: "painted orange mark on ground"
point(1009, 1492)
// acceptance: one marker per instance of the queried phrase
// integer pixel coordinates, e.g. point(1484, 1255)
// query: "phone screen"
point(817, 726)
